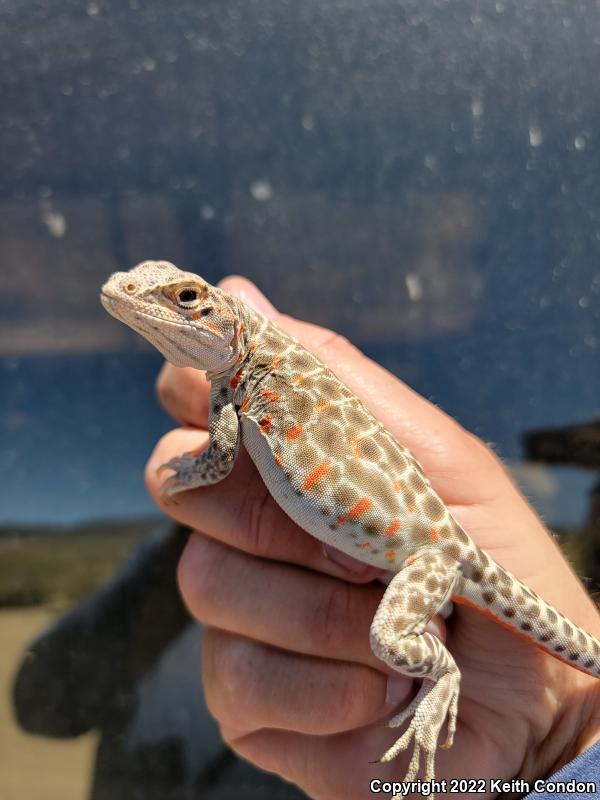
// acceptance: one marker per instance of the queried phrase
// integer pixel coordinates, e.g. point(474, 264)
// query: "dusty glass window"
point(419, 175)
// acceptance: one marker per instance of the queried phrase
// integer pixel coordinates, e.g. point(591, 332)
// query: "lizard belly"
point(306, 496)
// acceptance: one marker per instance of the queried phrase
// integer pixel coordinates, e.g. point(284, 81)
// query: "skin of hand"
point(286, 664)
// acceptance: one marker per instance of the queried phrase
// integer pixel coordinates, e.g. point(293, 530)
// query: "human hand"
point(287, 668)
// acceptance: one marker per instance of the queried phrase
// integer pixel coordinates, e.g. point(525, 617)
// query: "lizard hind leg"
point(399, 638)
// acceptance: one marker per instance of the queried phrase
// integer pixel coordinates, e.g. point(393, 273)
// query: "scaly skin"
point(340, 475)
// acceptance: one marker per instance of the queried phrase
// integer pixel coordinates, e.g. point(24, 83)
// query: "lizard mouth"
point(109, 301)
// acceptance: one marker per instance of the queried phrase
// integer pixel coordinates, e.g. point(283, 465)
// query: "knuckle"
point(158, 456)
point(151, 476)
point(257, 516)
point(150, 479)
point(231, 666)
point(348, 705)
point(336, 341)
point(200, 577)
point(331, 617)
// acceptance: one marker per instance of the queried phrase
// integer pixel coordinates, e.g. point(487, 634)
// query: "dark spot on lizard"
point(453, 550)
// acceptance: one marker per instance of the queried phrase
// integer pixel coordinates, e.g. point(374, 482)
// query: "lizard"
point(343, 478)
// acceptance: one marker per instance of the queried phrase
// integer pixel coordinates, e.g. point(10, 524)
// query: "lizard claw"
point(173, 464)
point(184, 469)
point(169, 487)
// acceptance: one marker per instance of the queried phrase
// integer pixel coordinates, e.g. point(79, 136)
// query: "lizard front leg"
point(196, 469)
point(398, 637)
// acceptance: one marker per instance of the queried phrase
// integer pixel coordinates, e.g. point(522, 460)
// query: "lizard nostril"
point(130, 288)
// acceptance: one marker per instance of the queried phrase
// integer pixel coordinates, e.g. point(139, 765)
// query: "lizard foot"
point(183, 467)
point(433, 704)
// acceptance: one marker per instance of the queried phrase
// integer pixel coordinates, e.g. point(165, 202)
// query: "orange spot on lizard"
point(294, 433)
point(275, 362)
point(245, 404)
point(316, 475)
point(396, 486)
point(390, 554)
point(393, 528)
point(435, 536)
point(356, 511)
point(299, 378)
point(236, 379)
point(410, 509)
point(272, 397)
point(322, 407)
point(279, 459)
point(266, 424)
point(365, 546)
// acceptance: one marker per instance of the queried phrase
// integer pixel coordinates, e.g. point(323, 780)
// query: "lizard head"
point(191, 322)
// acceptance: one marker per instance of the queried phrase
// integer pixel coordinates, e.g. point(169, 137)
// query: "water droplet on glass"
point(308, 122)
point(535, 136)
point(414, 286)
point(261, 190)
point(54, 221)
point(476, 108)
point(579, 143)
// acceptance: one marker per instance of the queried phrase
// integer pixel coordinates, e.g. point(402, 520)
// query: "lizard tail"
point(493, 591)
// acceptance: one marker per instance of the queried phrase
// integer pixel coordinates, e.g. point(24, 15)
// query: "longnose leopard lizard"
point(342, 477)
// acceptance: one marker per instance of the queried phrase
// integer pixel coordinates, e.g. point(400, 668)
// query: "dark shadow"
point(126, 662)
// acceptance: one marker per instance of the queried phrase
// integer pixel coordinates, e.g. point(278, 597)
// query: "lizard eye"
point(187, 298)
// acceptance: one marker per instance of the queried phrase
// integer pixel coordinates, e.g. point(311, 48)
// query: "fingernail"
point(397, 690)
point(344, 560)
